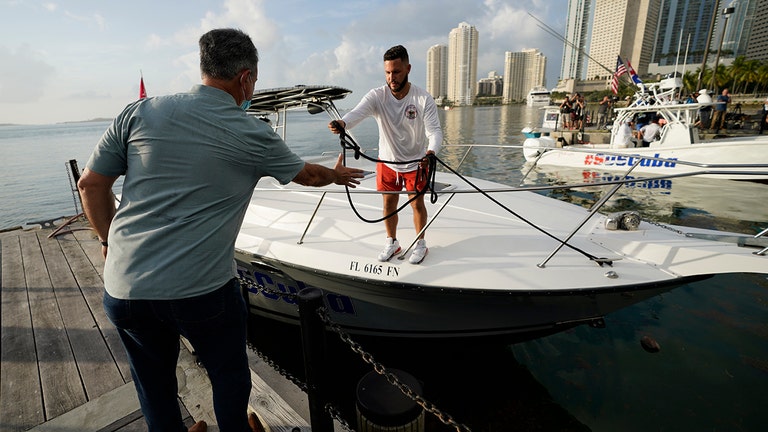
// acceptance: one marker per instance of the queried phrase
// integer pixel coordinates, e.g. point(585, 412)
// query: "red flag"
point(142, 90)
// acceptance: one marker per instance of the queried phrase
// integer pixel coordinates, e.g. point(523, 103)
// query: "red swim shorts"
point(388, 179)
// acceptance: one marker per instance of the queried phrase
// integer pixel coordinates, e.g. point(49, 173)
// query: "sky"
point(79, 60)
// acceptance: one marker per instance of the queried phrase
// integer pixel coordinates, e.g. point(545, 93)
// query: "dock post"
point(313, 345)
point(383, 407)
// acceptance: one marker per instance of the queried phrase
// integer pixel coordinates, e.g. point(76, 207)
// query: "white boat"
point(538, 96)
point(502, 260)
point(662, 198)
point(677, 150)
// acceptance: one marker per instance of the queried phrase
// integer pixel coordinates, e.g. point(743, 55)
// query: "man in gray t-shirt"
point(190, 161)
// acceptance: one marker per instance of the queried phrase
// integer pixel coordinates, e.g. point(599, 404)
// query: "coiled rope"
point(349, 143)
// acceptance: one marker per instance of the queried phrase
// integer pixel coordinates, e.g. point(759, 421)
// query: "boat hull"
point(489, 272)
point(704, 157)
point(362, 307)
point(502, 260)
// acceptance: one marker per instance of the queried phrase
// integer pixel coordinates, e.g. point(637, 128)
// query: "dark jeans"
point(215, 325)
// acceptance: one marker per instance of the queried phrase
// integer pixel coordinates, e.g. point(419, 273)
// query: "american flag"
point(620, 70)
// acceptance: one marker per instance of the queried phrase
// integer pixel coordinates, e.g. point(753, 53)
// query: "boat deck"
point(63, 366)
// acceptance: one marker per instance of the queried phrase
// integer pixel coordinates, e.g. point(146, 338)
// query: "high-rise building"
point(683, 27)
point(492, 85)
point(758, 40)
point(522, 72)
point(661, 36)
point(623, 28)
point(437, 71)
point(576, 43)
point(462, 64)
point(740, 27)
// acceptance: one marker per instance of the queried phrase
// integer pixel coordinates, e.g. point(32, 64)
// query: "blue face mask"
point(246, 103)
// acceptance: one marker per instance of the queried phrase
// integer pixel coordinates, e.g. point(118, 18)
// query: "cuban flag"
point(636, 79)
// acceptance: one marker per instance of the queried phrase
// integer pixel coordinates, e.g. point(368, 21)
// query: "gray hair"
point(224, 53)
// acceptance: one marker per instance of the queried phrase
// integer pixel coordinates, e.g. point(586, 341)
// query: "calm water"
point(711, 373)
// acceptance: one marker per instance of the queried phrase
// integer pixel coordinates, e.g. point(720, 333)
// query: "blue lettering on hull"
point(600, 159)
point(337, 303)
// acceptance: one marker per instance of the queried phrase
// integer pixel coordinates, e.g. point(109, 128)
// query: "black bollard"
point(313, 344)
point(381, 406)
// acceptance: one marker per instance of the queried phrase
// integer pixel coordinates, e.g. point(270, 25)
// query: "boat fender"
point(625, 221)
point(533, 147)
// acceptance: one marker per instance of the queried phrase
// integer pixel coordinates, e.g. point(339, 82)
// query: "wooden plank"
point(91, 283)
point(273, 410)
point(59, 377)
point(92, 248)
point(98, 413)
point(196, 393)
point(21, 404)
point(97, 368)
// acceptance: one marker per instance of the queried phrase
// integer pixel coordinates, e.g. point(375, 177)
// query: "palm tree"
point(689, 81)
point(761, 84)
point(720, 79)
point(751, 75)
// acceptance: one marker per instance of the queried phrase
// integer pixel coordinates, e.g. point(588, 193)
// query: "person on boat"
point(650, 132)
point(705, 112)
point(623, 138)
point(409, 130)
point(721, 107)
point(641, 119)
point(191, 162)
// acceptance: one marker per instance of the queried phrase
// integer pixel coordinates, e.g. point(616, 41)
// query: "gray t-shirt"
point(191, 161)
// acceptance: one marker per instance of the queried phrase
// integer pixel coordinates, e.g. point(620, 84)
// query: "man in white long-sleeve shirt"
point(409, 129)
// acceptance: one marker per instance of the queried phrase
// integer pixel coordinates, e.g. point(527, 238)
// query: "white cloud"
point(23, 75)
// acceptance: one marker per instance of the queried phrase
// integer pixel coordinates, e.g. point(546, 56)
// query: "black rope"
point(349, 143)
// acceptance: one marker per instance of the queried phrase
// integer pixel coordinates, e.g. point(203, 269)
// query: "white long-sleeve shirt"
point(407, 127)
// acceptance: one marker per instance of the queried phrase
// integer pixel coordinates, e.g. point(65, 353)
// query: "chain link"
point(332, 410)
point(666, 227)
point(336, 415)
point(392, 378)
point(367, 357)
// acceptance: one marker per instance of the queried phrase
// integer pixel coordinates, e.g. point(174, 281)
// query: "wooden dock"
point(63, 366)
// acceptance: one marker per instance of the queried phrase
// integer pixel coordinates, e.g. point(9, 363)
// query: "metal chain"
point(392, 378)
point(265, 358)
point(445, 418)
point(336, 415)
point(332, 410)
point(279, 369)
point(667, 227)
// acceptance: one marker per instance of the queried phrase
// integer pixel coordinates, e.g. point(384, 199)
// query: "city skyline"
point(660, 37)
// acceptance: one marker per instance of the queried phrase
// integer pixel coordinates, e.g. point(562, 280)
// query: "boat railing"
point(315, 104)
point(763, 233)
point(615, 183)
